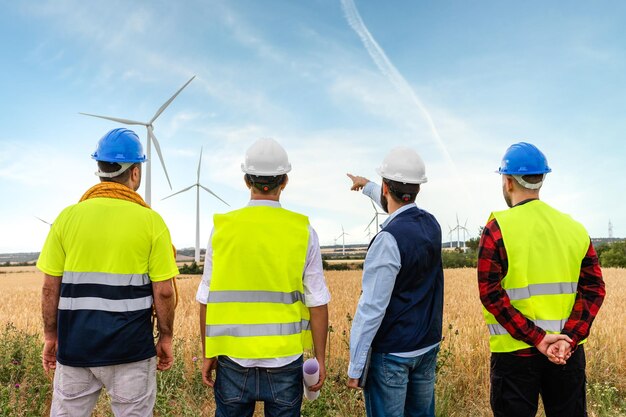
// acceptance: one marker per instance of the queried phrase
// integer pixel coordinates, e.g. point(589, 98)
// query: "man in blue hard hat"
point(541, 288)
point(107, 261)
point(397, 326)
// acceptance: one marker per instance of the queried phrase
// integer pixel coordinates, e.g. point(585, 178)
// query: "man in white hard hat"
point(263, 297)
point(397, 326)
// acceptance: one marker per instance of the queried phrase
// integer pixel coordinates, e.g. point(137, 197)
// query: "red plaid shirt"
point(492, 268)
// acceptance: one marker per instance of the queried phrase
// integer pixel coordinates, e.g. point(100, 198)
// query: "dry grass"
point(464, 383)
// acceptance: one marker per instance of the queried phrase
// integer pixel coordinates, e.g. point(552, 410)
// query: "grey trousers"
point(131, 386)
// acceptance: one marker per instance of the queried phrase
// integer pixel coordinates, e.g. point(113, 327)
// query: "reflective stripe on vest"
point(256, 300)
point(542, 289)
point(248, 330)
point(544, 249)
point(104, 304)
point(255, 297)
point(548, 325)
point(70, 277)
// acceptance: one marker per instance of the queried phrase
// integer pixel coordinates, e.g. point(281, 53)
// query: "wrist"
point(539, 336)
point(50, 337)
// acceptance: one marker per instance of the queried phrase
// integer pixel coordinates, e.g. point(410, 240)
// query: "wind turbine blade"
point(199, 163)
point(370, 223)
point(117, 119)
point(42, 220)
point(158, 149)
point(178, 192)
point(214, 195)
point(167, 103)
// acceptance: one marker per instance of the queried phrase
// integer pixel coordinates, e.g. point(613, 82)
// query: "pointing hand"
point(357, 182)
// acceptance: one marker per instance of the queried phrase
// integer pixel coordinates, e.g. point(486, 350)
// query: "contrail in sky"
point(389, 70)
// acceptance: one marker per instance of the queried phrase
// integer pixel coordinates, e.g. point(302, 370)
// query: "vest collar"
point(398, 212)
point(267, 203)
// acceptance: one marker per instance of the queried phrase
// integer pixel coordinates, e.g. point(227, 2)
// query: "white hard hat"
point(404, 165)
point(266, 158)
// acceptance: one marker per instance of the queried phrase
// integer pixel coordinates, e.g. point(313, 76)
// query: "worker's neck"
point(518, 197)
point(392, 205)
point(259, 196)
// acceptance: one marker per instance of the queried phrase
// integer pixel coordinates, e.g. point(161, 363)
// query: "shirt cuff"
point(354, 371)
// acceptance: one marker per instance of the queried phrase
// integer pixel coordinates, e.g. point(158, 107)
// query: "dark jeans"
point(401, 387)
point(517, 381)
point(237, 389)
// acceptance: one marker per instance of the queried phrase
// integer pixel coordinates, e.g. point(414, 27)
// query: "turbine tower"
point(610, 230)
point(198, 186)
point(342, 236)
point(151, 139)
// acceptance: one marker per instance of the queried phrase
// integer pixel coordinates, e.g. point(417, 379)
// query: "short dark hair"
point(534, 178)
point(112, 167)
point(402, 193)
point(265, 184)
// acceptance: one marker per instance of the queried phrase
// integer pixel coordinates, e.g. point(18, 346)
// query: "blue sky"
point(457, 81)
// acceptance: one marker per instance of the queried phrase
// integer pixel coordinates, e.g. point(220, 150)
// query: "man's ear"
point(245, 180)
point(135, 173)
point(285, 181)
point(509, 183)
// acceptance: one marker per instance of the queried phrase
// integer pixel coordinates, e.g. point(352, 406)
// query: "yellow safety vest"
point(256, 303)
point(545, 249)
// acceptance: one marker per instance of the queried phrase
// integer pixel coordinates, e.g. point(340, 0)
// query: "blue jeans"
point(401, 387)
point(237, 389)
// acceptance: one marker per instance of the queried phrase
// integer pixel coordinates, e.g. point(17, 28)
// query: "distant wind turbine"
point(342, 236)
point(151, 139)
point(375, 218)
point(458, 229)
point(198, 186)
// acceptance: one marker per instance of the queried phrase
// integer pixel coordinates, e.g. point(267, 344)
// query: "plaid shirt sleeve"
point(492, 267)
point(589, 297)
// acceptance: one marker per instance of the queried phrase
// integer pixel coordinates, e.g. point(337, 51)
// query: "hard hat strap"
point(124, 166)
point(529, 185)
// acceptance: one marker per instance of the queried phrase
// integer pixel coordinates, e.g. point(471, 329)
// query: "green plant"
point(25, 390)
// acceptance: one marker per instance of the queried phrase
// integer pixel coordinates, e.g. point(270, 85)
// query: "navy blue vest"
point(413, 318)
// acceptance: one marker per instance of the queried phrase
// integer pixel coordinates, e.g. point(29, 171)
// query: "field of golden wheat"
point(463, 381)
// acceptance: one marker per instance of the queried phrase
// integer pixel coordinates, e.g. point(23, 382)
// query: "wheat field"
point(463, 382)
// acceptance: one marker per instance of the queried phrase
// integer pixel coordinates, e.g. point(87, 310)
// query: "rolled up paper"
point(311, 374)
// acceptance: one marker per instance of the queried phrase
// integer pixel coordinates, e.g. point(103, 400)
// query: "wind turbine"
point(458, 229)
point(342, 236)
point(151, 139)
point(198, 186)
point(375, 218)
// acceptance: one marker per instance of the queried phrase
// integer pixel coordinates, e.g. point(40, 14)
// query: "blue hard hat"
point(523, 159)
point(119, 145)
